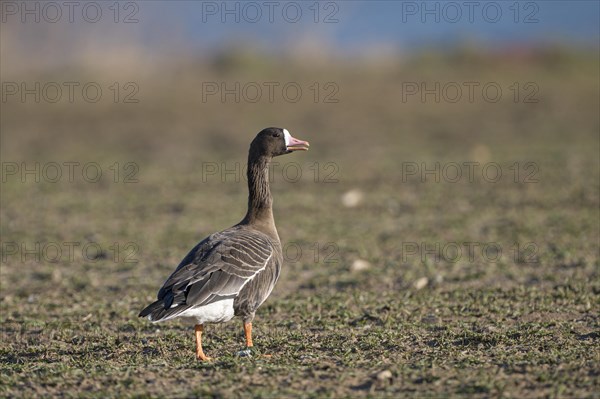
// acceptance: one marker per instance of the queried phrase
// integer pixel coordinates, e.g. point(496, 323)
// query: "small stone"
point(421, 283)
point(360, 265)
point(352, 198)
point(384, 376)
point(491, 329)
point(245, 353)
point(56, 275)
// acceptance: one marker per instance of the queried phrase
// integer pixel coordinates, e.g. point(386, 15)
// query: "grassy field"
point(395, 283)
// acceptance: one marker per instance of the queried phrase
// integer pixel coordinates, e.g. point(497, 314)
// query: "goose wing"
point(217, 268)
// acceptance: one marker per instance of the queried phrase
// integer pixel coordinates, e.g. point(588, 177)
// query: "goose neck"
point(260, 201)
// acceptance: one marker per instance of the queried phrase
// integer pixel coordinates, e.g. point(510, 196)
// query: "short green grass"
point(524, 325)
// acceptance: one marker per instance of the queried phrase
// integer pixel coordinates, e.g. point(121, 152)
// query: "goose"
point(232, 272)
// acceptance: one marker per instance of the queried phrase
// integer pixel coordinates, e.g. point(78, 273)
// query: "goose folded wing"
point(217, 268)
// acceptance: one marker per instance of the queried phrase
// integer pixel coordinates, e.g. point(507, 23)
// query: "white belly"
point(216, 312)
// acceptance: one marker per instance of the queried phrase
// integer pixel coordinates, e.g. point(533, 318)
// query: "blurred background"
point(125, 128)
point(121, 121)
point(162, 99)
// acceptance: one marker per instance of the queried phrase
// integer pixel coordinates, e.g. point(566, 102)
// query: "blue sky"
point(350, 26)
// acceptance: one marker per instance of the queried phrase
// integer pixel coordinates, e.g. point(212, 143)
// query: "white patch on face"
point(288, 137)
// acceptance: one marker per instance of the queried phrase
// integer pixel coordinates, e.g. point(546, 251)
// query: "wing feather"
point(218, 267)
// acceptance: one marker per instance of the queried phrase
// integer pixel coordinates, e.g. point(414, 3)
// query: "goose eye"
point(276, 135)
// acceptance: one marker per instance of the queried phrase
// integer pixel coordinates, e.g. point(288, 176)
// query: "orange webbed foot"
point(199, 352)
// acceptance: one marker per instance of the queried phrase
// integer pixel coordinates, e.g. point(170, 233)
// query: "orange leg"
point(248, 333)
point(199, 352)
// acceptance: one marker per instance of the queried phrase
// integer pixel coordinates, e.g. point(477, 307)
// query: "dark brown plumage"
point(232, 272)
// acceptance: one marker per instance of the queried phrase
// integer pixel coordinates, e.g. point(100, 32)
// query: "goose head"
point(274, 141)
